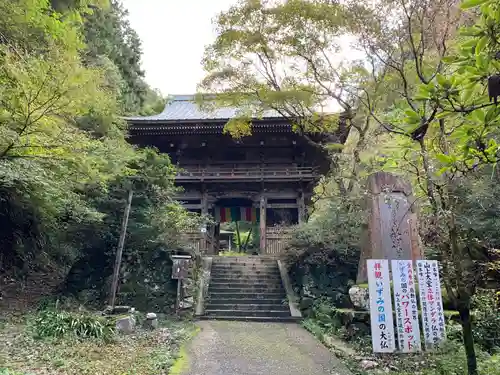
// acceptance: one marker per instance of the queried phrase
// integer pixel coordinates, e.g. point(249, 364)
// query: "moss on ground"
point(181, 363)
point(141, 353)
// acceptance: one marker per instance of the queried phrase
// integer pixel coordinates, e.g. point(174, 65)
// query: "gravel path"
point(241, 348)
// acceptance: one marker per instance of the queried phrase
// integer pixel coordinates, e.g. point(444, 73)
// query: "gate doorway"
point(240, 218)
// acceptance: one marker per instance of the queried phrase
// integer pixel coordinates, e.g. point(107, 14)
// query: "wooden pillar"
point(204, 211)
point(214, 238)
point(301, 204)
point(263, 207)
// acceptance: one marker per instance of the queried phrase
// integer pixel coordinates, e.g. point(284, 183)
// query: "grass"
point(232, 254)
point(142, 353)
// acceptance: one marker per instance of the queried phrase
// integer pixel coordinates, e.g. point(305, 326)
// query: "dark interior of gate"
point(266, 179)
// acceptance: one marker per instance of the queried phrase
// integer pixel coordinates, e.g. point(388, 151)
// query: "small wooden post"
point(238, 236)
point(119, 251)
point(180, 271)
point(263, 207)
point(178, 297)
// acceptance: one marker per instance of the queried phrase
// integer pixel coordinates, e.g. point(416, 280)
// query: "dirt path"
point(241, 348)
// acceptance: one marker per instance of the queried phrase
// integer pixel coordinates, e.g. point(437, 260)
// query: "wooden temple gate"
point(274, 169)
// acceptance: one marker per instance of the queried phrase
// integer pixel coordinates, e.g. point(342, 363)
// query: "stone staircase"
point(246, 288)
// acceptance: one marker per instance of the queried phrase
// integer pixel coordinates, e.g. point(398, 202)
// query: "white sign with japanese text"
point(405, 304)
point(382, 323)
point(431, 303)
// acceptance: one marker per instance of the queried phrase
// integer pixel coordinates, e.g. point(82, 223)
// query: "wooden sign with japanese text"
point(431, 303)
point(180, 266)
point(382, 323)
point(405, 304)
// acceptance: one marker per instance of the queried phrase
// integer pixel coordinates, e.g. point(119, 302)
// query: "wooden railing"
point(199, 242)
point(277, 239)
point(265, 173)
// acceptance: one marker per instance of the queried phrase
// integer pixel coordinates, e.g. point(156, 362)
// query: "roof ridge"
point(182, 98)
point(190, 97)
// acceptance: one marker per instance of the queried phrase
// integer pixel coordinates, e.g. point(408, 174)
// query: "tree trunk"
point(121, 243)
point(428, 177)
point(468, 340)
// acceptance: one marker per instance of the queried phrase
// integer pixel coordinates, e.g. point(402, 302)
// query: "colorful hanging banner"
point(431, 303)
point(249, 214)
point(227, 214)
point(382, 323)
point(405, 303)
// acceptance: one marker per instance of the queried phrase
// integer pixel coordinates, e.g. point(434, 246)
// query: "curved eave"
point(156, 121)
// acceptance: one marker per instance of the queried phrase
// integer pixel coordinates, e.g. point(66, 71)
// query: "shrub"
point(323, 254)
point(490, 366)
point(53, 323)
point(486, 321)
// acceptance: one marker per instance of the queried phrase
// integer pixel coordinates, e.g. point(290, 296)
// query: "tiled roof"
point(183, 107)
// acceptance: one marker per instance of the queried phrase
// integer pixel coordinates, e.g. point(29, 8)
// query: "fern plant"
point(53, 323)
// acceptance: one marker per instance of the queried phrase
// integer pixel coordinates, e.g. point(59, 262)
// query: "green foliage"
point(108, 34)
point(146, 352)
point(265, 58)
point(54, 323)
point(231, 254)
point(324, 315)
point(323, 255)
point(423, 99)
point(487, 321)
point(244, 237)
point(4, 371)
point(491, 366)
point(68, 70)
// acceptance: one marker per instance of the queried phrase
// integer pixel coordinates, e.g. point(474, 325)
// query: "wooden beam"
point(192, 206)
point(188, 196)
point(282, 195)
point(283, 205)
point(302, 208)
point(263, 207)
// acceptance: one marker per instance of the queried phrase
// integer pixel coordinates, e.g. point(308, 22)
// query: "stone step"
point(246, 295)
point(243, 285)
point(245, 272)
point(245, 263)
point(261, 319)
point(247, 289)
point(245, 277)
point(255, 259)
point(259, 313)
point(247, 306)
point(232, 280)
point(250, 275)
point(251, 301)
point(222, 268)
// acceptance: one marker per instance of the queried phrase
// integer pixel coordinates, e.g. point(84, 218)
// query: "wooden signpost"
point(180, 271)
